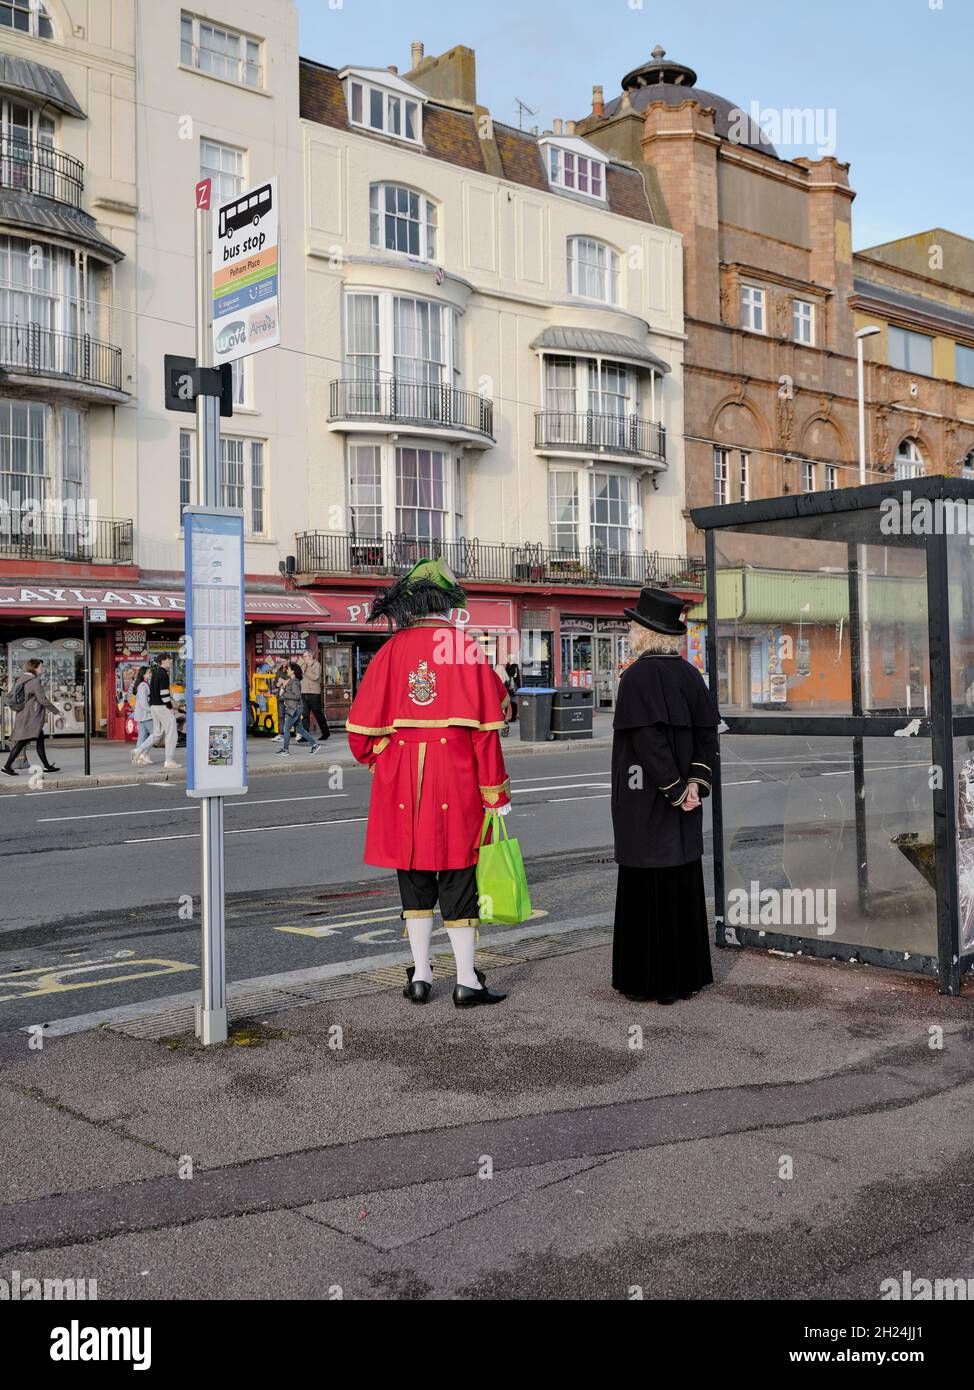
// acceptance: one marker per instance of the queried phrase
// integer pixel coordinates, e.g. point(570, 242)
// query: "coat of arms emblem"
point(422, 685)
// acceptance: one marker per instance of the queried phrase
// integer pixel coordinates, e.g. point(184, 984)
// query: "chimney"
point(393, 69)
point(449, 77)
point(626, 101)
point(569, 127)
point(415, 53)
point(598, 102)
point(556, 125)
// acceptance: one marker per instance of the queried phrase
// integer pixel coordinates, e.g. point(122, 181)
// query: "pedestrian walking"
point(512, 685)
point(143, 718)
point(161, 710)
point(311, 692)
point(30, 704)
point(664, 750)
point(425, 721)
point(289, 699)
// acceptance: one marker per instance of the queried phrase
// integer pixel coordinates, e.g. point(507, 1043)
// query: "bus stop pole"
point(211, 1012)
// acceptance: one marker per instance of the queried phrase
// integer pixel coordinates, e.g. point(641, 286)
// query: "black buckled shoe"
point(416, 991)
point(466, 998)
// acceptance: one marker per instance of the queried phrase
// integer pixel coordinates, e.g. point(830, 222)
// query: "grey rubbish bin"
point(571, 713)
point(534, 712)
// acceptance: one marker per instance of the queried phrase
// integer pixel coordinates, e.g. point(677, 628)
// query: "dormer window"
point(575, 165)
point(378, 100)
point(27, 17)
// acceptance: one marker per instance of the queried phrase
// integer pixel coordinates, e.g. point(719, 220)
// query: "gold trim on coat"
point(424, 724)
point(491, 795)
point(420, 764)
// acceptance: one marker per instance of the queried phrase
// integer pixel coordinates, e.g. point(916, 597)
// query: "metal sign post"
point(211, 1012)
point(86, 642)
point(237, 314)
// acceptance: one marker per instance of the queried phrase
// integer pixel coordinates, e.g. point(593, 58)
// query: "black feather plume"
point(402, 603)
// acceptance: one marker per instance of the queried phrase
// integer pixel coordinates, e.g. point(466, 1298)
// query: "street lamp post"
point(862, 334)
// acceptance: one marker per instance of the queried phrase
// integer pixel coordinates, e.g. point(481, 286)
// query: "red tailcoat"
point(425, 723)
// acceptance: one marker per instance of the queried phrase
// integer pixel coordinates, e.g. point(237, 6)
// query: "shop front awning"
point(340, 612)
point(792, 596)
point(590, 342)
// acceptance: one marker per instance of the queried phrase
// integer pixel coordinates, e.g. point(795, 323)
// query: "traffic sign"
point(245, 280)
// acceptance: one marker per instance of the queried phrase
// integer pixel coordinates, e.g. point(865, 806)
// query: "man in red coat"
point(425, 721)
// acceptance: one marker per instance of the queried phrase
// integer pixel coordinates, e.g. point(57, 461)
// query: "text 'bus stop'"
point(840, 627)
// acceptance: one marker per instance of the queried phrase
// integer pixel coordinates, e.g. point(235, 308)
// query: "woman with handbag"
point(290, 699)
point(664, 750)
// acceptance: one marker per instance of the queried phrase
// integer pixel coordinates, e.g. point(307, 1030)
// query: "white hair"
point(644, 639)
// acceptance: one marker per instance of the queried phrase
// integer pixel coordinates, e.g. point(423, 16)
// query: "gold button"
point(444, 807)
point(401, 806)
point(402, 743)
point(443, 740)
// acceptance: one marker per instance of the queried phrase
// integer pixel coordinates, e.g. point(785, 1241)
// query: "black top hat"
point(660, 611)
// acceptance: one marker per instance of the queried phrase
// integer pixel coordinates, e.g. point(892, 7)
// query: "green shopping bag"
point(502, 884)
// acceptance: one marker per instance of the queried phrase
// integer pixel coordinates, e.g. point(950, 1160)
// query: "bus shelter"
point(840, 646)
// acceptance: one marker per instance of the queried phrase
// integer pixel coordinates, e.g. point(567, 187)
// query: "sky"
point(889, 81)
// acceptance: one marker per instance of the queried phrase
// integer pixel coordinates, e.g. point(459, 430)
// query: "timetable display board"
point(216, 744)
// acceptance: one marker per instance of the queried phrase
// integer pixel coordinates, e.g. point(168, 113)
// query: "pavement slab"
point(615, 1166)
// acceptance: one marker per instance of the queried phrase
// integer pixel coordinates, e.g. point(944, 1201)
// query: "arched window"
point(593, 270)
point(909, 460)
point(27, 17)
point(400, 219)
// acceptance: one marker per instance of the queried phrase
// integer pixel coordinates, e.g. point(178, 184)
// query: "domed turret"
point(659, 79)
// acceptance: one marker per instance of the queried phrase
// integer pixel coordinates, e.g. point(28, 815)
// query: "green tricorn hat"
point(429, 588)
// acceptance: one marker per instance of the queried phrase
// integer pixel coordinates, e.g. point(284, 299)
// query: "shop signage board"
point(216, 742)
point(245, 281)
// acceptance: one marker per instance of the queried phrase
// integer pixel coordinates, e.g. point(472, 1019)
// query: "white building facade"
point(495, 330)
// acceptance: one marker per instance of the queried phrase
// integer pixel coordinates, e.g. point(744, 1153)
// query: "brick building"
point(774, 295)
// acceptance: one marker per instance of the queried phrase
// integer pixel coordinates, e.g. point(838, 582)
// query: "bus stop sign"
point(246, 291)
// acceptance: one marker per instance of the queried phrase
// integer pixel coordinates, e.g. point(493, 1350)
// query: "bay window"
point(26, 149)
point(43, 456)
point(593, 270)
point(408, 489)
point(45, 291)
point(421, 483)
point(400, 352)
point(594, 510)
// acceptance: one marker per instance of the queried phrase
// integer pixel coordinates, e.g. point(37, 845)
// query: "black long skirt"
point(661, 942)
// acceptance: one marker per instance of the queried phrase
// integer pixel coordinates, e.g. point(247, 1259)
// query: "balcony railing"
point(101, 541)
point(37, 351)
point(323, 552)
point(613, 434)
point(411, 403)
point(27, 167)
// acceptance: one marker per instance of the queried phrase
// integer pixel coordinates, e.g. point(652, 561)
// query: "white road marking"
point(117, 787)
point(599, 796)
point(167, 810)
point(253, 830)
point(560, 787)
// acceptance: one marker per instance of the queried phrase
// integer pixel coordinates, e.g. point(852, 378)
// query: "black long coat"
point(665, 736)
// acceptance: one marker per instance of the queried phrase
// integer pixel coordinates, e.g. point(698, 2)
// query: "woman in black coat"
point(664, 750)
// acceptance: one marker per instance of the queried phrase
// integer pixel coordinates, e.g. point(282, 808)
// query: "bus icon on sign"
point(247, 212)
